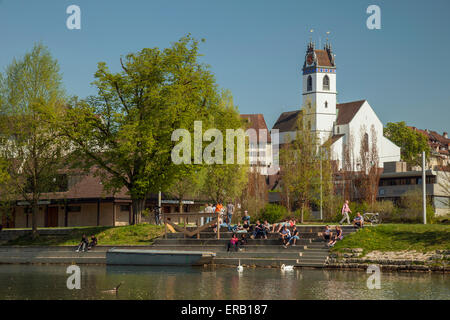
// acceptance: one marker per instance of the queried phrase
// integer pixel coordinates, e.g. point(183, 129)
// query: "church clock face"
point(309, 59)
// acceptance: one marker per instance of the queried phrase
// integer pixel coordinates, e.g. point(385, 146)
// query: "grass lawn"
point(398, 237)
point(142, 234)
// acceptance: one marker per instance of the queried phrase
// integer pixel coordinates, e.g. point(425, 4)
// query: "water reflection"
point(49, 282)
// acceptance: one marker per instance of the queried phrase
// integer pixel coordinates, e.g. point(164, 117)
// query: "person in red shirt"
point(234, 243)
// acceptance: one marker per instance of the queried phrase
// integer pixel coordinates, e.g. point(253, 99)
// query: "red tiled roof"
point(257, 122)
point(287, 121)
point(85, 187)
point(435, 140)
point(346, 111)
point(323, 59)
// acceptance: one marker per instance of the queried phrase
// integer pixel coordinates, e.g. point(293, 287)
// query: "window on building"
point(326, 83)
point(326, 104)
point(366, 142)
point(309, 82)
point(74, 209)
point(338, 130)
point(125, 207)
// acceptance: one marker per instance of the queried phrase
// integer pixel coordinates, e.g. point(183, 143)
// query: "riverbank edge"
point(81, 258)
point(389, 267)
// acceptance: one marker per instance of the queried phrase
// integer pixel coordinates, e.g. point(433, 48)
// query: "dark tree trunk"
point(34, 214)
point(138, 205)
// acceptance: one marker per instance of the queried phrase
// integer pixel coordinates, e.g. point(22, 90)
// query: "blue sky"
point(256, 48)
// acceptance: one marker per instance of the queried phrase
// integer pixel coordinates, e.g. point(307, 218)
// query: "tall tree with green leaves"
point(300, 167)
point(412, 143)
point(226, 181)
point(32, 149)
point(188, 185)
point(125, 131)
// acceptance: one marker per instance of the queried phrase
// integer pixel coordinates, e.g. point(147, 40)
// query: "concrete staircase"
point(310, 251)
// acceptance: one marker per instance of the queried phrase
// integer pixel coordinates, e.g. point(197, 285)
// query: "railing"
point(168, 219)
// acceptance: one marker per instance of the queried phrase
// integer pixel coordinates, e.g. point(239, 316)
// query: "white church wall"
point(362, 123)
point(389, 151)
point(337, 151)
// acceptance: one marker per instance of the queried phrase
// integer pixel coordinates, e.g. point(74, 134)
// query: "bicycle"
point(373, 218)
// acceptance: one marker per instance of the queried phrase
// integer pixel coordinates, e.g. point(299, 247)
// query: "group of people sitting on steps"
point(286, 229)
point(85, 244)
point(332, 237)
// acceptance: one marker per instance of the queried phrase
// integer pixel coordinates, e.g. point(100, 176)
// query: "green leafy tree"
point(412, 143)
point(226, 182)
point(124, 132)
point(32, 149)
point(300, 168)
point(188, 185)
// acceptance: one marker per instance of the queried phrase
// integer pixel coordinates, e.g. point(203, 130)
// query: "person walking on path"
point(157, 212)
point(345, 211)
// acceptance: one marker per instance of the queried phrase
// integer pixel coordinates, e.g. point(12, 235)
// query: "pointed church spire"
point(311, 44)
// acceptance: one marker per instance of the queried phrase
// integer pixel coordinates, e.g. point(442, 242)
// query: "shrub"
point(307, 214)
point(272, 213)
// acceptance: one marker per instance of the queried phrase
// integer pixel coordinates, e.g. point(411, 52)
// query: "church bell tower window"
point(309, 85)
point(326, 83)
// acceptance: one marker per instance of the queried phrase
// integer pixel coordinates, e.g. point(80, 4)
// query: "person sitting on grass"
point(337, 236)
point(83, 244)
point(233, 243)
point(294, 237)
point(259, 230)
point(93, 242)
point(358, 222)
point(328, 235)
point(285, 235)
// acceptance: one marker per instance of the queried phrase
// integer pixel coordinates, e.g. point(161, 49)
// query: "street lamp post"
point(424, 190)
point(321, 183)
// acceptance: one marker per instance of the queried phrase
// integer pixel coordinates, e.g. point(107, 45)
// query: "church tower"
point(319, 90)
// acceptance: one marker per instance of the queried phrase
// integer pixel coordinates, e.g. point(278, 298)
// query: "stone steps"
point(310, 250)
point(227, 235)
point(247, 248)
point(300, 228)
point(187, 242)
point(272, 255)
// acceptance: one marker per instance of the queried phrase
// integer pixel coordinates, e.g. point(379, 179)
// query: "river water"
point(49, 282)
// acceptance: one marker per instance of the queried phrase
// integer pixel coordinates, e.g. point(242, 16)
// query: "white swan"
point(287, 268)
point(239, 267)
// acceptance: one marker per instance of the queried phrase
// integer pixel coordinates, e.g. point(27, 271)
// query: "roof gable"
point(257, 122)
point(347, 111)
point(287, 121)
point(323, 59)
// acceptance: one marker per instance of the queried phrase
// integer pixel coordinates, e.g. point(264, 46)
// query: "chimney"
point(445, 134)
